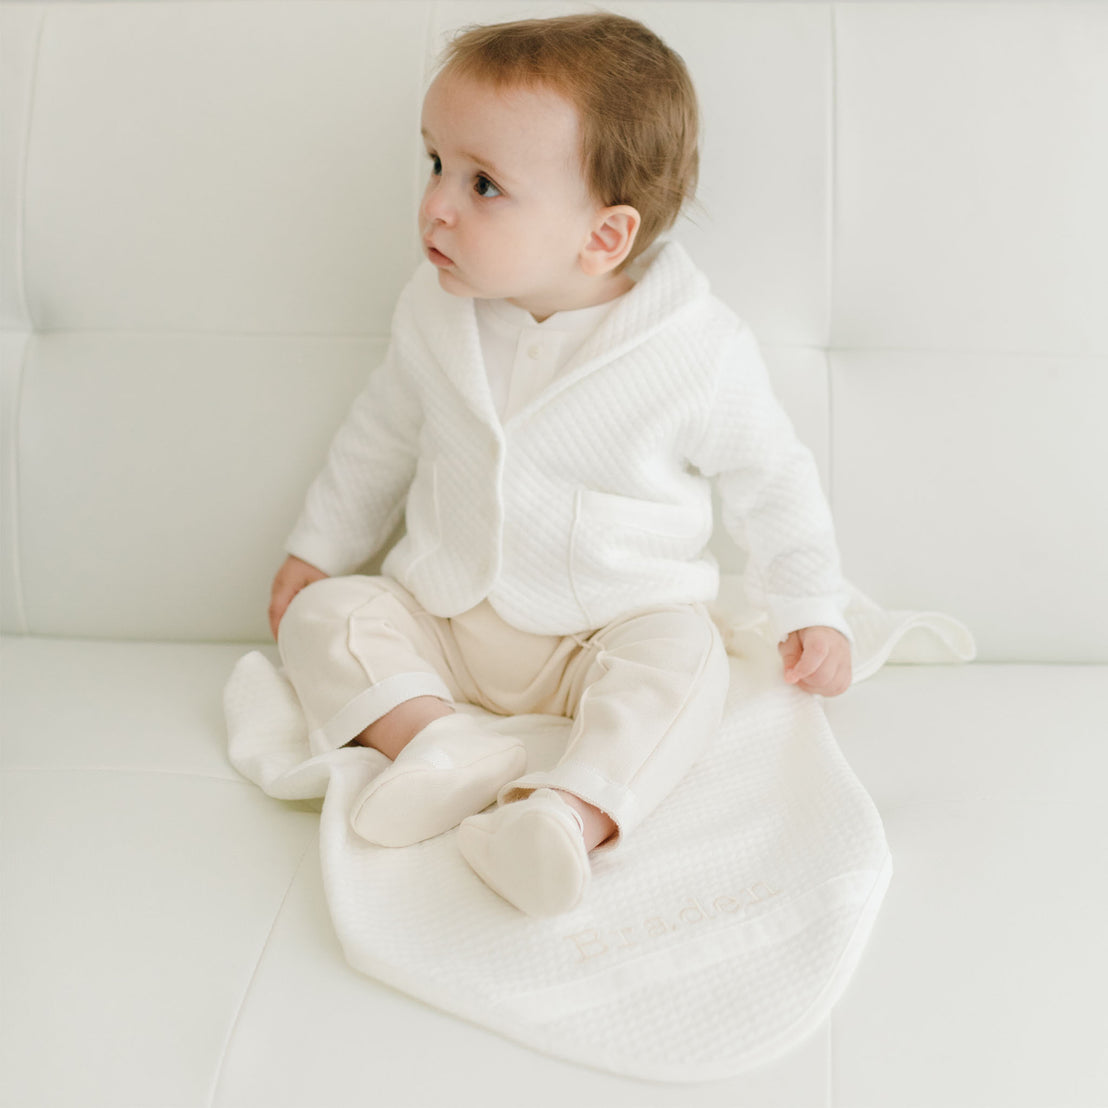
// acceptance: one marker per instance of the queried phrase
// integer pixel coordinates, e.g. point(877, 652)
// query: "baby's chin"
point(451, 282)
point(456, 286)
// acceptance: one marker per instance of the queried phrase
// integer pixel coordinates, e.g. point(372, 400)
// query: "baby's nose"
point(437, 207)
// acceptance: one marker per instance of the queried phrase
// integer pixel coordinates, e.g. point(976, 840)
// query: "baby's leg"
point(369, 666)
point(650, 701)
point(354, 649)
point(596, 826)
point(652, 688)
point(395, 729)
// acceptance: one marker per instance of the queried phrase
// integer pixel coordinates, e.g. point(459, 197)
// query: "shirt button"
point(534, 351)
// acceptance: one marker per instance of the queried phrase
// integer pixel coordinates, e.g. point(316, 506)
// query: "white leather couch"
point(208, 209)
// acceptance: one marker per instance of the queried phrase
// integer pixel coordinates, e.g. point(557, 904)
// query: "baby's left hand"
point(818, 660)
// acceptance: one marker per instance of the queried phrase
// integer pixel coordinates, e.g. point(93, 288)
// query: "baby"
point(559, 392)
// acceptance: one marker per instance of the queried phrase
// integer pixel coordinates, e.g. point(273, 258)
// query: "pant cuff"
point(615, 800)
point(369, 706)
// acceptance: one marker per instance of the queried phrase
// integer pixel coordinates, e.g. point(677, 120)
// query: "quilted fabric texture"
point(564, 517)
point(714, 940)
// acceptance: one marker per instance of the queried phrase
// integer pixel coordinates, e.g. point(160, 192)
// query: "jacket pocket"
point(628, 553)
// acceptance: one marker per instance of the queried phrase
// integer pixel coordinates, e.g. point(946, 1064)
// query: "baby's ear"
point(610, 240)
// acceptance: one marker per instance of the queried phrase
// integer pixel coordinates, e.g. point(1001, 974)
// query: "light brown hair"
point(634, 99)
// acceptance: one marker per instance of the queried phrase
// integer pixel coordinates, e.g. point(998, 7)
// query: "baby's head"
point(560, 150)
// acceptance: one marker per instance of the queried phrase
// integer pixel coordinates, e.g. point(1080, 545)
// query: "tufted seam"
point(832, 216)
point(13, 484)
point(82, 769)
point(12, 420)
point(21, 200)
point(217, 1076)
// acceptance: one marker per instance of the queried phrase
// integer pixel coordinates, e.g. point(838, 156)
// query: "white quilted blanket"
point(714, 940)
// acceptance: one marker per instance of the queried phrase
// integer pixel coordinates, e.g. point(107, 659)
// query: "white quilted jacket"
point(594, 500)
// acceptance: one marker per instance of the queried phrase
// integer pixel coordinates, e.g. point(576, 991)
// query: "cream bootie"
point(531, 851)
point(454, 767)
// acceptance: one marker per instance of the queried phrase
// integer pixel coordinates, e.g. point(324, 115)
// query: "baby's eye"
point(436, 165)
point(484, 187)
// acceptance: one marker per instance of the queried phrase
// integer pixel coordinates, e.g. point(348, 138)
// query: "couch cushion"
point(166, 936)
point(243, 189)
point(173, 466)
point(141, 876)
point(974, 484)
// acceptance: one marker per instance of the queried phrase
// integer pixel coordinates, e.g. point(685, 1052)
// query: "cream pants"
point(645, 693)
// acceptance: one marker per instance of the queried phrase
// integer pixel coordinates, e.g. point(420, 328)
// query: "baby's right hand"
point(290, 579)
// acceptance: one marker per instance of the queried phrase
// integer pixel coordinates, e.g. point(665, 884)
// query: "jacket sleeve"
point(356, 500)
point(773, 505)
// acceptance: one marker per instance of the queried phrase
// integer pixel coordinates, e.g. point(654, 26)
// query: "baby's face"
point(506, 211)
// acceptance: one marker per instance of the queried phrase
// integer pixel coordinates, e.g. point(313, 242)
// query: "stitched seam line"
point(217, 1077)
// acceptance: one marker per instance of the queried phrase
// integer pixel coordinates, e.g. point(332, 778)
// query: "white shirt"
point(523, 357)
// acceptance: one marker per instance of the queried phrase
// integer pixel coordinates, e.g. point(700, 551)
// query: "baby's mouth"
point(436, 256)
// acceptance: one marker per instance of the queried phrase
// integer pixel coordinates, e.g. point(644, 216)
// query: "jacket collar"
point(667, 282)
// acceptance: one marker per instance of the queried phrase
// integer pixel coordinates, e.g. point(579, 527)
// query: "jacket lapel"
point(669, 282)
point(449, 326)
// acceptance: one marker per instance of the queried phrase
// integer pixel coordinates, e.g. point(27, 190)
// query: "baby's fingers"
point(790, 651)
point(813, 658)
point(830, 679)
point(278, 602)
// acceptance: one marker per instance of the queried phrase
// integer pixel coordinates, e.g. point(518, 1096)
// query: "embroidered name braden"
point(594, 943)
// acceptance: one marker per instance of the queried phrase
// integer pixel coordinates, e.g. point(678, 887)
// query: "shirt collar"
point(505, 316)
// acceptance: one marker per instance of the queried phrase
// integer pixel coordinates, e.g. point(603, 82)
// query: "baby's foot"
point(531, 851)
point(451, 769)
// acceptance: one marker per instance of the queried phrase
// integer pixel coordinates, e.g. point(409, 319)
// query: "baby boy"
point(559, 393)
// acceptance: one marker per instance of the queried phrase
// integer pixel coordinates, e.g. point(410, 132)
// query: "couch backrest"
point(209, 207)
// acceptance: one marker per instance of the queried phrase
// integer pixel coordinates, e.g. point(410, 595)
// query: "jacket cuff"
point(788, 614)
point(316, 551)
